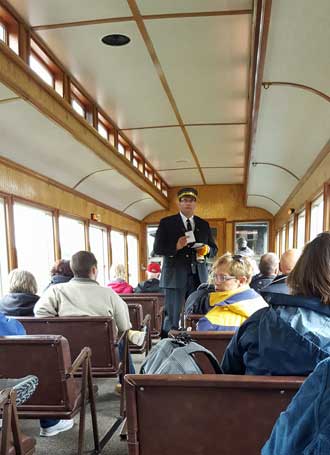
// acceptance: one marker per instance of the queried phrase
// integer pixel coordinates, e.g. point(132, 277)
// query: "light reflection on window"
point(316, 217)
point(99, 247)
point(72, 236)
point(2, 32)
point(78, 107)
point(39, 68)
point(301, 229)
point(3, 250)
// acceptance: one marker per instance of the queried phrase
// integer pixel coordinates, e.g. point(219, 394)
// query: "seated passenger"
point(268, 267)
point(304, 427)
point(278, 285)
point(233, 301)
point(152, 282)
point(244, 250)
point(10, 326)
point(22, 296)
point(118, 281)
point(61, 272)
point(292, 335)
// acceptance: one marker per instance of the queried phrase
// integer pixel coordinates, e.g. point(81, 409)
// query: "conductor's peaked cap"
point(187, 192)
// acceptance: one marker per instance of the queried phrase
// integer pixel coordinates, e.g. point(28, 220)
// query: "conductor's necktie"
point(189, 228)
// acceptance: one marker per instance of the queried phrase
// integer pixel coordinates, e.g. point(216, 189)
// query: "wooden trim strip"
point(9, 100)
point(135, 202)
point(255, 163)
point(110, 20)
point(10, 230)
point(152, 52)
point(185, 124)
point(266, 197)
point(261, 22)
point(203, 167)
point(89, 175)
point(23, 81)
point(308, 88)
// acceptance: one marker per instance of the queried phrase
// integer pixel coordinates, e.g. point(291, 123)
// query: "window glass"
point(133, 265)
point(277, 243)
point(99, 247)
point(283, 234)
point(34, 242)
point(2, 32)
point(256, 236)
point(41, 69)
point(78, 107)
point(102, 130)
point(290, 245)
point(117, 247)
point(121, 148)
point(3, 250)
point(72, 236)
point(151, 234)
point(316, 217)
point(301, 229)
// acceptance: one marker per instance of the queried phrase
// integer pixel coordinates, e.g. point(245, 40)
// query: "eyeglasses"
point(223, 278)
point(238, 258)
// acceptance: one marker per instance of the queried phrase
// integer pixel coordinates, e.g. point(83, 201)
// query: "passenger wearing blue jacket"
point(304, 427)
point(293, 335)
point(10, 326)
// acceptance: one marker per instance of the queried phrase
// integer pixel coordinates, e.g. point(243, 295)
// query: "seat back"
point(152, 304)
point(191, 320)
point(48, 358)
point(135, 315)
point(209, 414)
point(98, 333)
point(216, 342)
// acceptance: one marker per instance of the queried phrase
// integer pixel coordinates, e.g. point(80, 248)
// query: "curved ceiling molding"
point(266, 86)
point(89, 175)
point(257, 163)
point(265, 197)
point(136, 202)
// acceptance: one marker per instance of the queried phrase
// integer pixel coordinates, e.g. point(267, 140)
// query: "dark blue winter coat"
point(303, 429)
point(10, 326)
point(289, 338)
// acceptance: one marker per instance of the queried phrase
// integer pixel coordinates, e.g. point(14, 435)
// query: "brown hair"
point(238, 265)
point(311, 274)
point(82, 263)
point(61, 267)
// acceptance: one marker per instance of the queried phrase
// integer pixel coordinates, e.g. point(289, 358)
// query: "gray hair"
point(22, 281)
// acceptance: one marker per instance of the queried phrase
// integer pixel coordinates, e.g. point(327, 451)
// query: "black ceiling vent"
point(115, 40)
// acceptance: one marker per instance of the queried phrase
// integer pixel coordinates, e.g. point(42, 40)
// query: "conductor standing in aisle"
point(185, 241)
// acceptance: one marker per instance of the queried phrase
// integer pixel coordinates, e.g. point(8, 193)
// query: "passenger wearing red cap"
point(184, 240)
point(152, 282)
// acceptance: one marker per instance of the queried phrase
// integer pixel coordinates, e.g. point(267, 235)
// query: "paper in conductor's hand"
point(190, 236)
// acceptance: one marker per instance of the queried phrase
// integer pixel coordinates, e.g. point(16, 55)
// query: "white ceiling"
point(177, 177)
point(190, 6)
point(293, 124)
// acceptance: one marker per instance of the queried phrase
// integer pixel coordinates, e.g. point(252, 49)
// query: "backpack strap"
point(194, 348)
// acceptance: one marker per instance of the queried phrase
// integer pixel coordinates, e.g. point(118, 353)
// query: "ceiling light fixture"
point(115, 40)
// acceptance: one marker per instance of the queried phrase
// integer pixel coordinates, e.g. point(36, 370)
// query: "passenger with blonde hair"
point(292, 335)
point(118, 281)
point(22, 295)
point(233, 300)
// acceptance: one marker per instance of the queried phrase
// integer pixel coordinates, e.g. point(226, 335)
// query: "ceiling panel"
point(165, 148)
point(43, 146)
point(208, 72)
point(219, 145)
point(223, 175)
point(123, 79)
point(140, 209)
point(258, 201)
point(5, 93)
point(112, 188)
point(298, 43)
point(41, 12)
point(188, 6)
point(284, 114)
point(180, 177)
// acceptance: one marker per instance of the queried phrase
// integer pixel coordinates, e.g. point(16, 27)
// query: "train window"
point(117, 247)
point(102, 130)
point(316, 217)
point(151, 233)
point(133, 264)
point(277, 243)
point(121, 148)
point(78, 107)
point(290, 238)
point(301, 229)
point(256, 235)
point(99, 247)
point(283, 234)
point(3, 249)
point(34, 241)
point(3, 33)
point(72, 236)
point(41, 69)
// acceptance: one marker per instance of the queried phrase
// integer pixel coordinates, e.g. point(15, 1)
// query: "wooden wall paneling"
point(10, 227)
point(24, 37)
point(307, 221)
point(56, 234)
point(86, 232)
point(326, 207)
point(295, 230)
point(230, 238)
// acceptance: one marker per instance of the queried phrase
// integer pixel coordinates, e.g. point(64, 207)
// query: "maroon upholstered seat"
point(204, 414)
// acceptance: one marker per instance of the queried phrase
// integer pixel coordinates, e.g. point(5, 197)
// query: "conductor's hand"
point(181, 243)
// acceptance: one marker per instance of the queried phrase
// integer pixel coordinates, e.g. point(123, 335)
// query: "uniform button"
point(187, 255)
